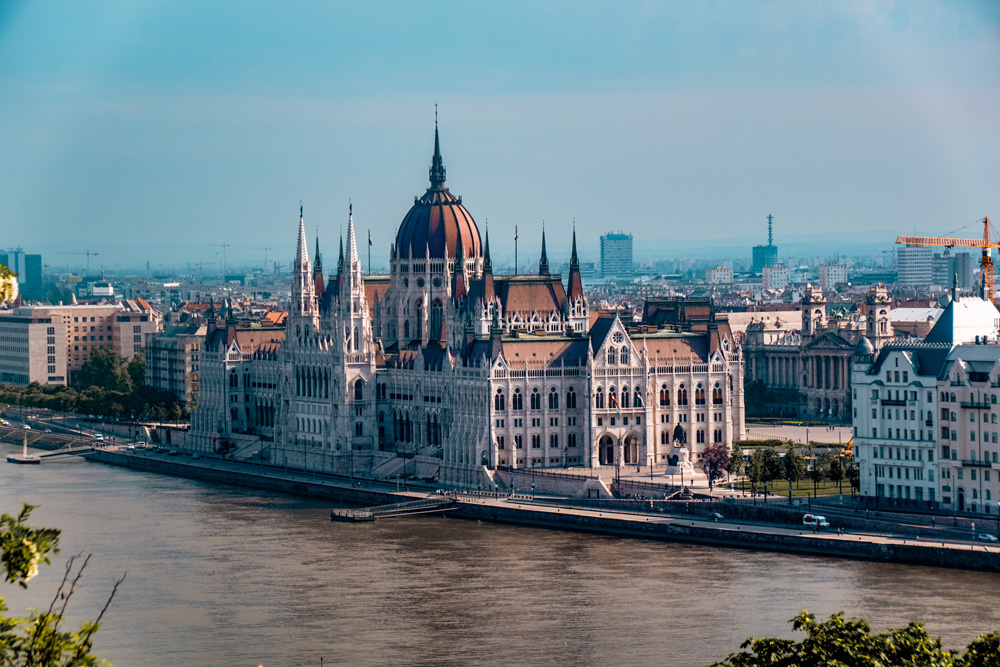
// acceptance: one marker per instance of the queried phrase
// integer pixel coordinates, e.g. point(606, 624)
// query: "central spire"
point(437, 171)
point(543, 262)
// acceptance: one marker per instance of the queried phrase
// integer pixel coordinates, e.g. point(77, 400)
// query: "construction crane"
point(223, 246)
point(87, 253)
point(985, 264)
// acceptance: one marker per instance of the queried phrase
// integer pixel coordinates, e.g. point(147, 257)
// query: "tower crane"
point(87, 253)
point(985, 264)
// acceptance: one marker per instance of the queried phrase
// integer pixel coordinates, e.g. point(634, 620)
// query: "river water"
point(226, 576)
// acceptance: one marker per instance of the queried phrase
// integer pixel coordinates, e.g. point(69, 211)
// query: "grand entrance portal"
point(606, 451)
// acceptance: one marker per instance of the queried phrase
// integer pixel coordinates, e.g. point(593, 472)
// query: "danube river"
point(226, 576)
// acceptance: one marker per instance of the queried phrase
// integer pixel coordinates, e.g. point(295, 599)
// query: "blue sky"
point(152, 130)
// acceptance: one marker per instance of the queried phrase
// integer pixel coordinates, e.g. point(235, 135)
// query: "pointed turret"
point(318, 270)
point(489, 292)
point(303, 287)
point(458, 285)
point(575, 290)
point(302, 255)
point(340, 262)
point(543, 262)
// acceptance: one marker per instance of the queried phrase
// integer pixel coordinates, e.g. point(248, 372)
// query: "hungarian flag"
point(515, 232)
point(613, 401)
point(369, 238)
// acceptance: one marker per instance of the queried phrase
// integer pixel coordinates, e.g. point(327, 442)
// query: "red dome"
point(437, 221)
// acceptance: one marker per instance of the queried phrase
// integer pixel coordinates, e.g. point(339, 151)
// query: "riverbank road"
point(832, 536)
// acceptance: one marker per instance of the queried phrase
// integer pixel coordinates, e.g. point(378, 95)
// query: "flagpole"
point(369, 252)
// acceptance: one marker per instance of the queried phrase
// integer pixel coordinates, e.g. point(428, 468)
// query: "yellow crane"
point(985, 264)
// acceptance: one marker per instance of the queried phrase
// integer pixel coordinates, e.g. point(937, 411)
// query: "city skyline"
point(169, 128)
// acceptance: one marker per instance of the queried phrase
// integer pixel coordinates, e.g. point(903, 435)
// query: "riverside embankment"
point(551, 514)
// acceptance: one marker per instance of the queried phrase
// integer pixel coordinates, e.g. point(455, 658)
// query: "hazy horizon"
point(155, 131)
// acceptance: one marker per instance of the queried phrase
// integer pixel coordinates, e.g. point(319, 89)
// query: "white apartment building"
point(32, 349)
point(925, 414)
point(776, 277)
point(831, 275)
point(173, 360)
point(720, 275)
point(914, 265)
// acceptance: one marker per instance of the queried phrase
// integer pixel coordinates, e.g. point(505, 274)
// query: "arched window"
point(499, 403)
point(536, 399)
point(624, 401)
point(406, 329)
point(234, 379)
point(612, 356)
point(553, 399)
point(571, 399)
point(517, 401)
point(953, 397)
point(682, 395)
point(637, 402)
point(625, 355)
point(359, 390)
point(599, 398)
point(699, 395)
point(717, 394)
point(664, 396)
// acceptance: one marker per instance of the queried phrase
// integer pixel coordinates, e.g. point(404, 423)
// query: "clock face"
point(618, 337)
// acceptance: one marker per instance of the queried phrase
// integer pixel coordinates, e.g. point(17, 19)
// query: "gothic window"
point(359, 390)
point(664, 396)
point(234, 380)
point(499, 404)
point(624, 401)
point(536, 399)
point(436, 319)
point(638, 398)
point(553, 399)
point(554, 440)
point(571, 399)
point(612, 356)
point(717, 394)
point(359, 428)
point(699, 395)
point(599, 398)
point(357, 340)
point(406, 329)
point(625, 355)
point(518, 442)
point(682, 395)
point(500, 443)
point(517, 401)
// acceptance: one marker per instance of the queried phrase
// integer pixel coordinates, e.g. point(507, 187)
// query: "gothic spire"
point(340, 262)
point(543, 262)
point(487, 262)
point(352, 245)
point(574, 261)
point(318, 262)
point(437, 171)
point(302, 256)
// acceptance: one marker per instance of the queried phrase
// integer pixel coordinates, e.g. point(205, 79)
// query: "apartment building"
point(32, 349)
point(173, 360)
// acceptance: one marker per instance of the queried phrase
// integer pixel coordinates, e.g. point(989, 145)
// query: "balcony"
point(976, 405)
point(894, 401)
point(929, 423)
point(978, 463)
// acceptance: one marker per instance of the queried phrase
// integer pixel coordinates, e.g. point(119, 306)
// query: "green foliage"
point(107, 369)
point(765, 465)
point(137, 369)
point(736, 464)
point(850, 643)
point(6, 284)
point(795, 464)
point(38, 640)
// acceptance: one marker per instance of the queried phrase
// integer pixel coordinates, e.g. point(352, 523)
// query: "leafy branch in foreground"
point(840, 642)
point(39, 640)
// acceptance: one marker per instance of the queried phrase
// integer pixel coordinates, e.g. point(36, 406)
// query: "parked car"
point(986, 537)
point(26, 427)
point(141, 443)
point(715, 516)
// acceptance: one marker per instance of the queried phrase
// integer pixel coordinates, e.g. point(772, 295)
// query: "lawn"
point(779, 487)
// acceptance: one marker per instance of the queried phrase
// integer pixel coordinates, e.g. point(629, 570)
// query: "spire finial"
point(543, 262)
point(437, 171)
point(487, 262)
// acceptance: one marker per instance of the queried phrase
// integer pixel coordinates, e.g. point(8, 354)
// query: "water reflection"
point(223, 576)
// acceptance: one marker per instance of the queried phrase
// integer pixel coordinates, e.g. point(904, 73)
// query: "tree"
point(137, 368)
point(853, 476)
point(851, 643)
point(795, 466)
point(39, 640)
point(714, 460)
point(835, 470)
point(765, 466)
point(737, 463)
point(105, 368)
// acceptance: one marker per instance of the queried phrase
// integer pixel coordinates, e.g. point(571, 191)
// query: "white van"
point(815, 520)
point(98, 437)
